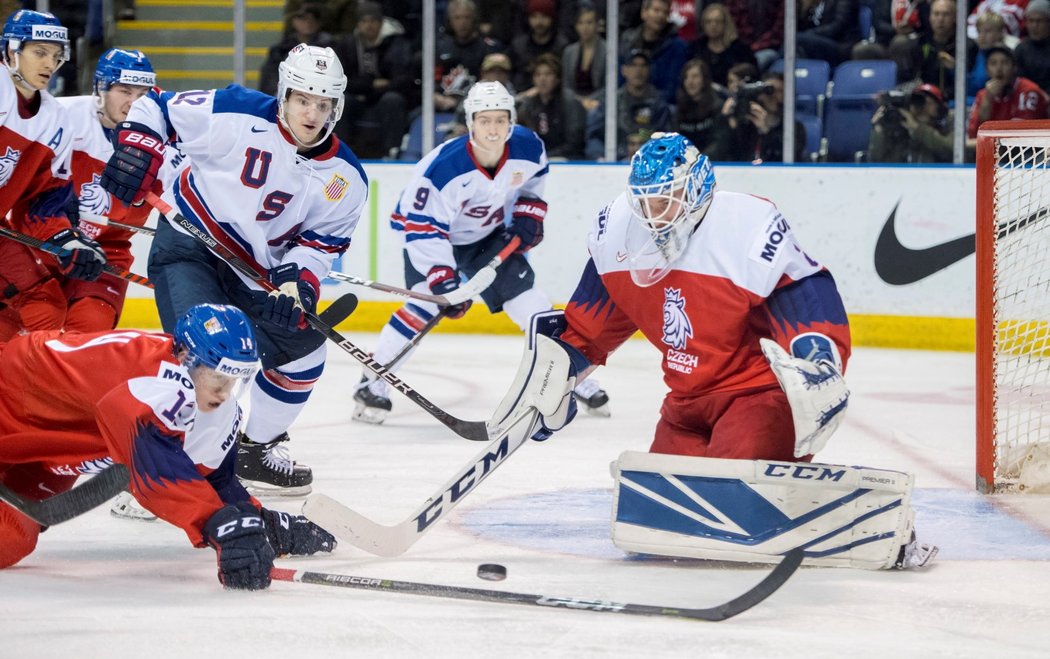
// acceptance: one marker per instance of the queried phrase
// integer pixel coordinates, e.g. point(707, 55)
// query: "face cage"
point(653, 204)
point(284, 90)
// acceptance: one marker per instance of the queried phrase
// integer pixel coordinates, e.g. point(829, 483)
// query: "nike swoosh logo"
point(521, 275)
point(261, 130)
point(899, 265)
point(621, 256)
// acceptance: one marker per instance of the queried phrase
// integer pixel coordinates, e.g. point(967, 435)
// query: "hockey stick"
point(481, 280)
point(431, 324)
point(363, 533)
point(63, 507)
point(763, 589)
point(472, 430)
point(339, 310)
point(105, 221)
point(45, 246)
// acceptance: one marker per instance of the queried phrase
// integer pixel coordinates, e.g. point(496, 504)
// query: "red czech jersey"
point(742, 277)
point(77, 402)
point(1025, 101)
point(34, 159)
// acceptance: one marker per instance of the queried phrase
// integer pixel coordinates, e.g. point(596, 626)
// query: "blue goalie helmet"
point(219, 337)
point(126, 67)
point(665, 170)
point(25, 25)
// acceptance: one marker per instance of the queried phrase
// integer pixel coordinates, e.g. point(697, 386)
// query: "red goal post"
point(1013, 306)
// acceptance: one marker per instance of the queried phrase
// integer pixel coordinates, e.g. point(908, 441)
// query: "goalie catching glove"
point(815, 389)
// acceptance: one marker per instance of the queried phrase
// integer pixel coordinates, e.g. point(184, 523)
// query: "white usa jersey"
point(451, 200)
point(247, 186)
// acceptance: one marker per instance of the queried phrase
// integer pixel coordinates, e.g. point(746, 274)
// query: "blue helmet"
point(25, 25)
point(219, 337)
point(127, 67)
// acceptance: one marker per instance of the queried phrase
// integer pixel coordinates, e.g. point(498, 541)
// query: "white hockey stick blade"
point(361, 532)
point(478, 283)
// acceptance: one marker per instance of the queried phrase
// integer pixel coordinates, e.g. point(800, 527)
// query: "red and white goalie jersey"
point(74, 403)
point(742, 277)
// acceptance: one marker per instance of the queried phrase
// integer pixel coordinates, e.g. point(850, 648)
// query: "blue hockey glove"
point(243, 551)
point(132, 169)
point(442, 280)
point(527, 222)
point(296, 291)
point(296, 535)
point(84, 258)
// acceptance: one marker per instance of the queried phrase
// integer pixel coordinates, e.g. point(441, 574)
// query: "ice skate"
point(592, 398)
point(915, 554)
point(269, 469)
point(126, 507)
point(372, 403)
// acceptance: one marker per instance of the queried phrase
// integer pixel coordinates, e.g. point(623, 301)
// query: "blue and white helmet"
point(125, 67)
point(219, 337)
point(24, 26)
point(669, 189)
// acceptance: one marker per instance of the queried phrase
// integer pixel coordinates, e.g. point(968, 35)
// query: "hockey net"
point(1013, 307)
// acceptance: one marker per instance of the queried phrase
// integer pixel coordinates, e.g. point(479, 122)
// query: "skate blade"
point(369, 415)
point(124, 507)
point(262, 489)
point(600, 411)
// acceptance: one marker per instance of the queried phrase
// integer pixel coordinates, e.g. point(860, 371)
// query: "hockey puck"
point(492, 572)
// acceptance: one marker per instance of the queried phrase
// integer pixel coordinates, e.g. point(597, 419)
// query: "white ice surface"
point(103, 587)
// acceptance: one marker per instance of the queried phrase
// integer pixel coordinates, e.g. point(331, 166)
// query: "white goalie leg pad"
point(757, 510)
point(542, 382)
point(817, 393)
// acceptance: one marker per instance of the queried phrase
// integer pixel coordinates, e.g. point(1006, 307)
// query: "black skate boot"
point(592, 398)
point(269, 469)
point(372, 407)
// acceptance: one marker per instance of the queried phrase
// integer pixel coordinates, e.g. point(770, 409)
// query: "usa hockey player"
point(452, 216)
point(164, 406)
point(754, 339)
point(121, 77)
point(35, 148)
point(267, 179)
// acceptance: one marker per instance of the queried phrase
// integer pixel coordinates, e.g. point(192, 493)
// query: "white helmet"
point(312, 70)
point(489, 96)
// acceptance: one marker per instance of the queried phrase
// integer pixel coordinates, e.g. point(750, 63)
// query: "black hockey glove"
point(296, 535)
point(243, 551)
point(296, 290)
point(132, 169)
point(84, 258)
point(527, 222)
point(442, 280)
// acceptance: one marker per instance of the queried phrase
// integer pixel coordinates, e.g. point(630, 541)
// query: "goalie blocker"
point(757, 511)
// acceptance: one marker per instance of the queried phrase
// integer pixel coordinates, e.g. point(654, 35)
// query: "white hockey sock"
point(279, 395)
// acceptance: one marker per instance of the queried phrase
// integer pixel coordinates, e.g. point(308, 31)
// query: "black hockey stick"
point(99, 489)
point(473, 430)
point(769, 585)
point(339, 310)
point(423, 331)
point(51, 248)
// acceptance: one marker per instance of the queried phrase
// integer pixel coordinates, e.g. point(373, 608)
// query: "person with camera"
point(913, 127)
point(750, 128)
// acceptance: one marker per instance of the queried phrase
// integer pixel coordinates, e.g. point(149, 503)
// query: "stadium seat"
point(412, 145)
point(851, 101)
point(811, 84)
point(814, 134)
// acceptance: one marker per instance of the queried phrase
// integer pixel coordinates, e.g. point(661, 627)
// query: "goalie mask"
point(669, 189)
point(488, 96)
point(220, 347)
point(25, 26)
point(316, 71)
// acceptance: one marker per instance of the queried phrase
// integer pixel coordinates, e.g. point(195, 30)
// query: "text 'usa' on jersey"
point(246, 183)
point(451, 200)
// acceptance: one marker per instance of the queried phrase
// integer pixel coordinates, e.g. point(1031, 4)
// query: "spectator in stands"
point(1006, 95)
point(921, 132)
point(739, 74)
point(460, 50)
point(639, 105)
point(305, 28)
point(910, 17)
point(881, 21)
point(719, 45)
point(583, 61)
point(697, 105)
point(760, 24)
point(750, 128)
point(937, 48)
point(827, 29)
point(991, 31)
point(1011, 11)
point(552, 111)
point(380, 89)
point(338, 17)
point(656, 36)
point(904, 51)
point(1033, 53)
point(495, 19)
point(683, 16)
point(541, 37)
point(635, 141)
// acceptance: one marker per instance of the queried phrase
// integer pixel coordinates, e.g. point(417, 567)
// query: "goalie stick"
point(45, 246)
point(763, 589)
point(63, 507)
point(481, 280)
point(472, 430)
point(363, 533)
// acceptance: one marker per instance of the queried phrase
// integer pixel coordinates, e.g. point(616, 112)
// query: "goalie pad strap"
point(758, 510)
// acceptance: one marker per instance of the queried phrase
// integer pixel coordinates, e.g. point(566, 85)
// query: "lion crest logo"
point(677, 328)
point(93, 198)
point(8, 162)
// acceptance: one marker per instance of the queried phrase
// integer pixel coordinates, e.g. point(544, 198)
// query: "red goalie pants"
point(18, 533)
point(752, 424)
